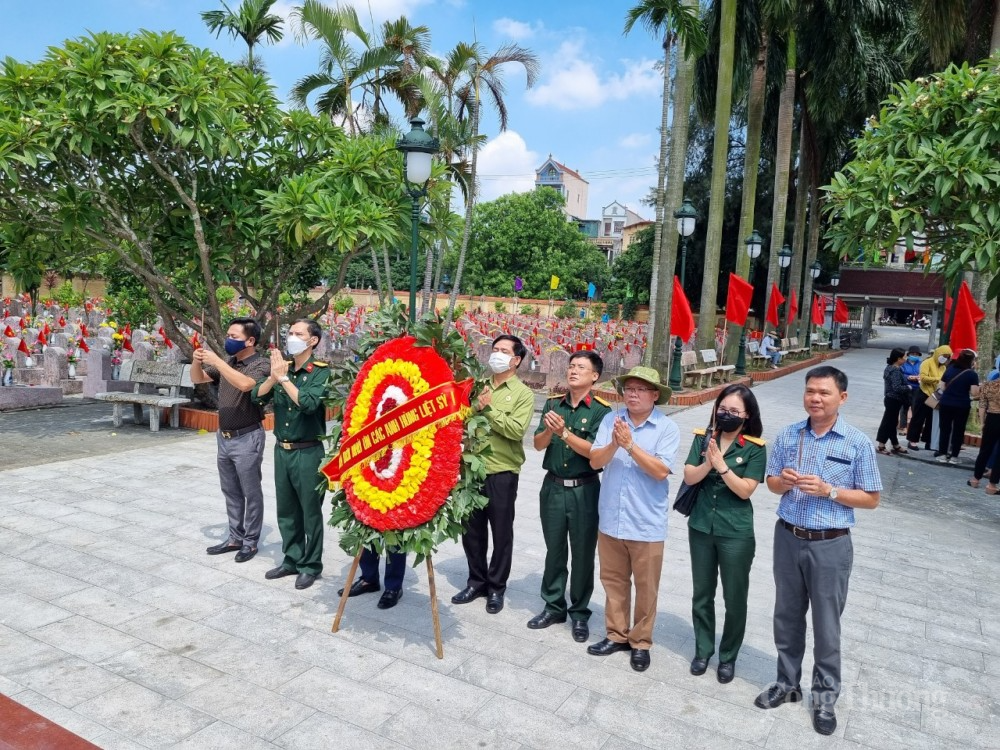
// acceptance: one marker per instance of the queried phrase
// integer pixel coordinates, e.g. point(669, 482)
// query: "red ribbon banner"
point(425, 410)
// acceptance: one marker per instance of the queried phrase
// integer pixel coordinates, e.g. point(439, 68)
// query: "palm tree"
point(483, 75)
point(250, 22)
point(669, 19)
point(720, 154)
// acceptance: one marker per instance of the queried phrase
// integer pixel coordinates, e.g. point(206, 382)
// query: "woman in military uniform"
point(729, 462)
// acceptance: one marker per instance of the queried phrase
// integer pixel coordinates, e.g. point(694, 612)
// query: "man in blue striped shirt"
point(823, 469)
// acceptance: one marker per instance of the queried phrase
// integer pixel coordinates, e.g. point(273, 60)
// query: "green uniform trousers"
point(729, 558)
point(569, 526)
point(300, 492)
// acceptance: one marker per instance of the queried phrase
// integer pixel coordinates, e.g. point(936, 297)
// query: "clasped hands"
point(554, 423)
point(206, 357)
point(714, 456)
point(810, 484)
point(279, 365)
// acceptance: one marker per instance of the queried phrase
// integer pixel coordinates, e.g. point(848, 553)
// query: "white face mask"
point(500, 362)
point(942, 360)
point(295, 346)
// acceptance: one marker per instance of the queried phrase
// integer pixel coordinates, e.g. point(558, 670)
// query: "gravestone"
point(55, 366)
point(142, 352)
point(558, 364)
point(98, 377)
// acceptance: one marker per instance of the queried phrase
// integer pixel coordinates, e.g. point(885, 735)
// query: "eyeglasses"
point(580, 368)
point(637, 391)
point(730, 412)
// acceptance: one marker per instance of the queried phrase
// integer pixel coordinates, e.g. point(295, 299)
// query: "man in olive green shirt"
point(299, 424)
point(508, 405)
point(569, 496)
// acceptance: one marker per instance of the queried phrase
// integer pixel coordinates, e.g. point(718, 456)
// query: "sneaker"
point(954, 460)
point(942, 459)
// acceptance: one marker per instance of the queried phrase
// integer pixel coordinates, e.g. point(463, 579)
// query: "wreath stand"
point(433, 592)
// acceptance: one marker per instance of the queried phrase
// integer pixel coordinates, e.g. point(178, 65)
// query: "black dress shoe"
point(305, 580)
point(221, 549)
point(389, 598)
point(494, 603)
point(607, 647)
point(280, 572)
point(581, 631)
point(545, 619)
point(699, 666)
point(775, 695)
point(824, 720)
point(246, 553)
point(361, 586)
point(726, 671)
point(466, 595)
point(640, 659)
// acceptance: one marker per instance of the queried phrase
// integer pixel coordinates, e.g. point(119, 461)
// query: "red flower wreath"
point(406, 485)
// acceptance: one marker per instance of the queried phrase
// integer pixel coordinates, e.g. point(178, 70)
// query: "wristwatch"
point(833, 493)
point(565, 433)
point(284, 379)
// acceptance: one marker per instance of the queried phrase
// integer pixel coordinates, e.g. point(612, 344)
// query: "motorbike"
point(920, 323)
point(887, 320)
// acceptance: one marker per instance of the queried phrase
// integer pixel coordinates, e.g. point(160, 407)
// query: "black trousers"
point(921, 421)
point(990, 438)
point(887, 428)
point(497, 518)
point(953, 419)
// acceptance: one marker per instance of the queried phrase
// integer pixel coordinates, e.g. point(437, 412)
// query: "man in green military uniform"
point(297, 390)
point(569, 495)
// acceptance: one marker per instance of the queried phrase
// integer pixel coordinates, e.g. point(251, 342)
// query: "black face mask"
point(727, 422)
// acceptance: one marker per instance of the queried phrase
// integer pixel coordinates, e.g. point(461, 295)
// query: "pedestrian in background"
point(911, 371)
point(989, 418)
point(896, 395)
point(931, 370)
point(961, 385)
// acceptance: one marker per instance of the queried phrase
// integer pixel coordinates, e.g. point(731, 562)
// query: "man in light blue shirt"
point(636, 449)
point(823, 469)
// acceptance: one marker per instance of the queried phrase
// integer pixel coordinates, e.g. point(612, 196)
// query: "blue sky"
point(595, 108)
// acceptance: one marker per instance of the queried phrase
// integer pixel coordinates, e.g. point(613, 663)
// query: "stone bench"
point(170, 375)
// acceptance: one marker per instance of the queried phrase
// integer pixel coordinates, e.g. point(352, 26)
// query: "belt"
point(230, 434)
point(299, 446)
point(578, 482)
point(813, 535)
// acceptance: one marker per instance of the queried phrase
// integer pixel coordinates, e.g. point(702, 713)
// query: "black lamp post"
point(417, 147)
point(686, 217)
point(784, 260)
point(834, 338)
point(814, 270)
point(754, 244)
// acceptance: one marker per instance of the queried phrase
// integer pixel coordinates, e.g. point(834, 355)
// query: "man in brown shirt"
point(240, 437)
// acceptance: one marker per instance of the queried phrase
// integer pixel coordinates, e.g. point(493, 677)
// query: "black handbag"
point(687, 494)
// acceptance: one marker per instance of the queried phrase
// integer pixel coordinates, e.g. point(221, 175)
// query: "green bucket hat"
point(646, 375)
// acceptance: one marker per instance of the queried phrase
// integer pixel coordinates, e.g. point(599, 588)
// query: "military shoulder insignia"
point(600, 400)
point(754, 440)
point(557, 395)
point(699, 431)
point(320, 364)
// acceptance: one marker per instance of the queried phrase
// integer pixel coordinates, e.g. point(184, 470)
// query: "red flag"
point(23, 347)
point(194, 340)
point(819, 310)
point(83, 330)
point(168, 342)
point(88, 306)
point(46, 330)
point(127, 333)
point(21, 323)
point(840, 314)
point(42, 341)
point(62, 322)
point(793, 309)
point(681, 319)
point(967, 316)
point(8, 332)
point(83, 345)
point(772, 306)
point(127, 344)
point(583, 347)
point(738, 300)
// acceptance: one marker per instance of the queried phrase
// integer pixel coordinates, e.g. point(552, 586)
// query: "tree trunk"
point(437, 272)
point(987, 327)
point(378, 276)
point(470, 204)
point(720, 155)
point(815, 223)
point(659, 224)
point(751, 169)
point(425, 293)
point(390, 288)
point(799, 229)
point(683, 90)
point(995, 38)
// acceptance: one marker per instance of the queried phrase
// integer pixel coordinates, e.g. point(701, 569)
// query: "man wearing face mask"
point(297, 390)
point(240, 438)
point(508, 405)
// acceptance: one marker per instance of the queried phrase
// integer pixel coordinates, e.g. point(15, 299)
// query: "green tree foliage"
point(929, 164)
point(633, 270)
point(527, 235)
point(183, 167)
point(251, 22)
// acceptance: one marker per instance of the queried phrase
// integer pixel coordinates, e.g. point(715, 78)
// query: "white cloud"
point(506, 165)
point(516, 30)
point(574, 83)
point(636, 140)
point(382, 10)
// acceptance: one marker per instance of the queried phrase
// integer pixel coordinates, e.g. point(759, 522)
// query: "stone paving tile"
point(961, 657)
point(513, 649)
point(93, 522)
point(880, 687)
point(359, 703)
point(23, 612)
point(453, 695)
point(416, 727)
point(180, 600)
point(257, 665)
point(102, 606)
point(799, 735)
point(64, 717)
point(875, 732)
point(533, 727)
point(530, 687)
point(67, 681)
point(24, 651)
point(334, 654)
point(222, 736)
point(316, 733)
point(144, 716)
point(108, 740)
point(174, 633)
point(124, 581)
point(85, 638)
point(254, 626)
point(932, 616)
point(160, 670)
point(262, 713)
point(745, 722)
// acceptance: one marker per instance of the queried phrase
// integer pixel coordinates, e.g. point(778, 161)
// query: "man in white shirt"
point(769, 348)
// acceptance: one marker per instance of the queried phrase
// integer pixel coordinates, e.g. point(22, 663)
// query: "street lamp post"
point(417, 146)
point(834, 338)
point(686, 217)
point(814, 270)
point(754, 244)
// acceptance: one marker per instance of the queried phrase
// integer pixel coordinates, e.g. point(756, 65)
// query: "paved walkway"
point(117, 626)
